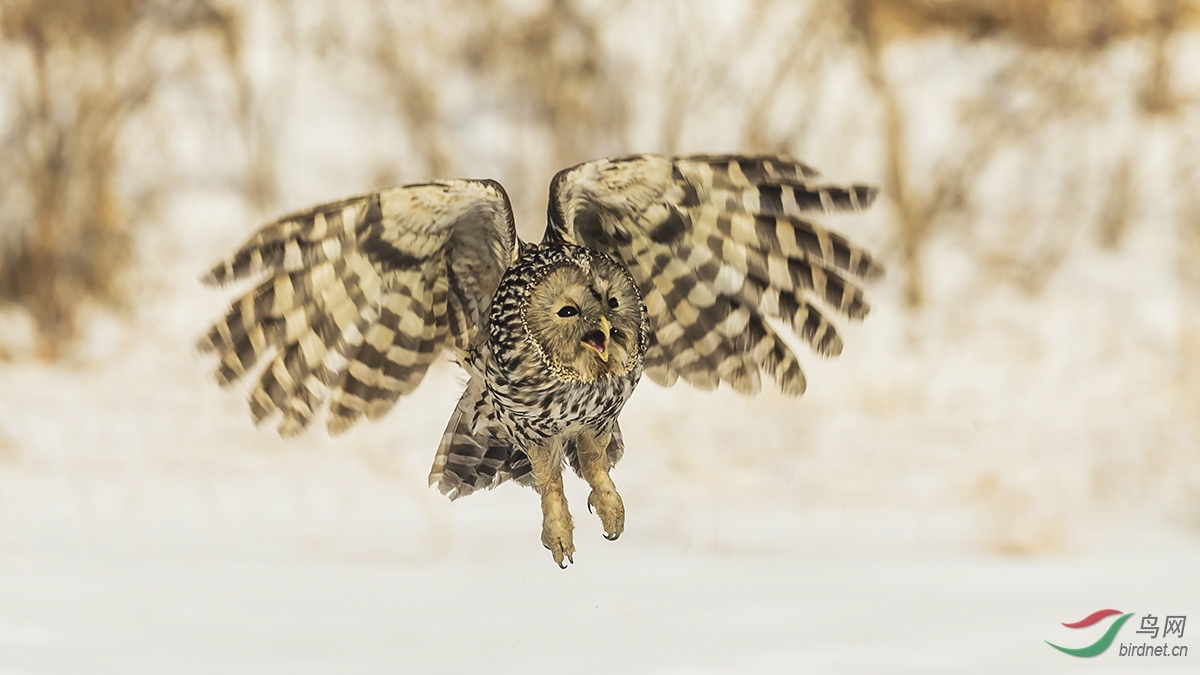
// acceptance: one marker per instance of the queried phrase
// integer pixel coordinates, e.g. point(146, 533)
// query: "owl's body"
point(518, 396)
point(668, 266)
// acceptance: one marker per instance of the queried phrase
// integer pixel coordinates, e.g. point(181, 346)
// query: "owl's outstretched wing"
point(360, 295)
point(717, 244)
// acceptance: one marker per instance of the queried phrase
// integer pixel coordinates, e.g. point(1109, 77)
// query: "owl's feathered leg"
point(594, 463)
point(546, 461)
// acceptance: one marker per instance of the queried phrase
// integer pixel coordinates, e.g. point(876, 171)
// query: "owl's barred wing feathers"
point(360, 296)
point(716, 244)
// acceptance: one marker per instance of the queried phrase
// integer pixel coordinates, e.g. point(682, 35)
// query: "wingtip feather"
point(866, 195)
point(339, 425)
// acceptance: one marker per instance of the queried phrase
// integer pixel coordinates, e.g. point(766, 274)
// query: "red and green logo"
point(1097, 647)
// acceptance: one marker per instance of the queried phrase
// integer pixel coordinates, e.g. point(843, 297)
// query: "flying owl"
point(668, 266)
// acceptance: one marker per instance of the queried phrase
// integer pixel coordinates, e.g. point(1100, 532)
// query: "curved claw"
point(608, 506)
point(561, 557)
point(557, 539)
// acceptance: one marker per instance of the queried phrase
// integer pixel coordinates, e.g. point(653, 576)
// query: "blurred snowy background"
point(1011, 440)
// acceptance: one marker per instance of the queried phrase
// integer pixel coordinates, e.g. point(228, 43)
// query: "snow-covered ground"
point(958, 483)
point(145, 526)
point(624, 608)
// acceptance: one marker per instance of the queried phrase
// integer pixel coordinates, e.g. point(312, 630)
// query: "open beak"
point(598, 339)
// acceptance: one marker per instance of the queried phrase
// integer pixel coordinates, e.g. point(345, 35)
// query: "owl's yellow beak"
point(598, 339)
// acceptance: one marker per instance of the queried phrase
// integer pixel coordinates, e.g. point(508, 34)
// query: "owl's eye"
point(612, 303)
point(567, 311)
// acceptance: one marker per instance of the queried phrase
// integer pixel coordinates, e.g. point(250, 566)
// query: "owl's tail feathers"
point(472, 454)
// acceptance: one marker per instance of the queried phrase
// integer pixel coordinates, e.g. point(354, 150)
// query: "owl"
point(675, 267)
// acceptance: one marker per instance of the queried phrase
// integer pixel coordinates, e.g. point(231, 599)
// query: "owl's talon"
point(611, 510)
point(563, 552)
point(556, 537)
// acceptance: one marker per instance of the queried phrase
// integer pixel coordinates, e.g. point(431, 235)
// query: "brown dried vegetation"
point(550, 72)
point(543, 75)
point(1038, 24)
point(1061, 50)
point(84, 71)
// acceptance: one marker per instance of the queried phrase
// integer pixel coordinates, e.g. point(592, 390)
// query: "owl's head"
point(584, 315)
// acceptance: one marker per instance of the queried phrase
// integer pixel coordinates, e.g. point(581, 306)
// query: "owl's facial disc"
point(585, 322)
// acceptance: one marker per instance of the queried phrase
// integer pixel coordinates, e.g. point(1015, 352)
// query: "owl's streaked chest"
point(535, 405)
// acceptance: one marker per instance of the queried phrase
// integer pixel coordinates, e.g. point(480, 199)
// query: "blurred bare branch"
point(397, 52)
point(87, 70)
point(823, 26)
point(912, 218)
point(1114, 219)
point(1038, 24)
point(552, 66)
